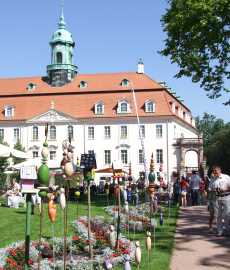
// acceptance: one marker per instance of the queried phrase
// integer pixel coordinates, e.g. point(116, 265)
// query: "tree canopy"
point(198, 41)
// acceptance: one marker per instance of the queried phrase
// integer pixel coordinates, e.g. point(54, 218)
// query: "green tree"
point(18, 146)
point(209, 125)
point(3, 161)
point(218, 150)
point(198, 41)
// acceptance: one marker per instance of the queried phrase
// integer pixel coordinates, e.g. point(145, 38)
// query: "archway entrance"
point(191, 160)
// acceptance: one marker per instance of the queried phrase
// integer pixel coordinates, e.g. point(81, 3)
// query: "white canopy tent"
point(52, 164)
point(6, 151)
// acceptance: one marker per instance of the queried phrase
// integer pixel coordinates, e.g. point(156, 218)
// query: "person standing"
point(209, 200)
point(201, 193)
point(220, 187)
point(195, 181)
point(176, 191)
point(184, 184)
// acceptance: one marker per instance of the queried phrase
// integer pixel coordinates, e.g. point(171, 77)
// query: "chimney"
point(140, 67)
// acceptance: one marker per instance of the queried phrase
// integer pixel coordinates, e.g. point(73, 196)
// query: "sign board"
point(88, 161)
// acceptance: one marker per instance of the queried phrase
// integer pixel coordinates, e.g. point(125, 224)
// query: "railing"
point(62, 66)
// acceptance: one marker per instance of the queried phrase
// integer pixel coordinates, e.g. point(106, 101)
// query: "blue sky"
point(110, 36)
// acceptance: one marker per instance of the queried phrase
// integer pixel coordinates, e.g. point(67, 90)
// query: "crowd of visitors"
point(214, 192)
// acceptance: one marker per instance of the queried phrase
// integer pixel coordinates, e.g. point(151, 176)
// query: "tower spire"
point(62, 23)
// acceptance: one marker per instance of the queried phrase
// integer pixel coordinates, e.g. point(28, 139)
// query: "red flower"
point(88, 259)
point(50, 259)
point(30, 261)
point(9, 261)
point(86, 241)
point(14, 264)
point(79, 258)
point(42, 242)
point(75, 238)
point(47, 245)
point(71, 261)
point(127, 245)
point(34, 244)
point(14, 254)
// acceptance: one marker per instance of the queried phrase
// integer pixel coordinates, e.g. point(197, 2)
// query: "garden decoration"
point(138, 253)
point(161, 222)
point(154, 210)
point(112, 237)
point(129, 195)
point(126, 213)
point(125, 193)
point(148, 244)
point(88, 164)
point(127, 264)
point(117, 166)
point(136, 198)
point(77, 193)
point(152, 178)
point(43, 179)
point(107, 192)
point(169, 205)
point(107, 264)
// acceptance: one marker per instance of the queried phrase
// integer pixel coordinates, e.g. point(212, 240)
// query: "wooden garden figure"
point(52, 206)
point(127, 264)
point(112, 237)
point(148, 243)
point(88, 164)
point(137, 253)
point(136, 197)
point(62, 198)
point(43, 179)
point(117, 167)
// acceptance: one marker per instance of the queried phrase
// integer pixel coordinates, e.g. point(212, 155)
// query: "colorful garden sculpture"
point(112, 237)
point(137, 253)
point(136, 197)
point(62, 198)
point(51, 206)
point(127, 264)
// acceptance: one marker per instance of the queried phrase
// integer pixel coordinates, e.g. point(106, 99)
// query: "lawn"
point(13, 222)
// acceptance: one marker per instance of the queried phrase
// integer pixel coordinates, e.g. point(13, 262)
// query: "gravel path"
point(194, 247)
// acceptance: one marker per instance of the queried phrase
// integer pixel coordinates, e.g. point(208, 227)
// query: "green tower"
point(61, 71)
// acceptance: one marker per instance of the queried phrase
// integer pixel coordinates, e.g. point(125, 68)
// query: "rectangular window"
point(107, 157)
point(159, 155)
point(140, 157)
point(124, 132)
point(91, 152)
point(16, 134)
point(159, 131)
point(142, 131)
point(2, 133)
point(99, 109)
point(9, 112)
point(107, 132)
point(35, 133)
point(90, 132)
point(35, 154)
point(52, 155)
point(124, 156)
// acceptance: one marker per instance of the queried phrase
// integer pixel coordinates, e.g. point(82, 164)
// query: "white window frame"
point(140, 157)
point(53, 153)
point(91, 134)
point(18, 135)
point(97, 105)
point(122, 134)
point(159, 156)
point(142, 131)
point(107, 157)
point(120, 107)
point(147, 104)
point(107, 132)
point(53, 128)
point(159, 133)
point(122, 152)
point(2, 133)
point(68, 131)
point(9, 111)
point(34, 154)
point(34, 137)
point(174, 106)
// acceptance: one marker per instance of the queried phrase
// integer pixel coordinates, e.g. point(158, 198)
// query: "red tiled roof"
point(79, 102)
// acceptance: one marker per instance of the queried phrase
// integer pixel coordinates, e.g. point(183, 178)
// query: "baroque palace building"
point(99, 111)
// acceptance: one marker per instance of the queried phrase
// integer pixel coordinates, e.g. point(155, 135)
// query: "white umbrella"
point(52, 164)
point(6, 151)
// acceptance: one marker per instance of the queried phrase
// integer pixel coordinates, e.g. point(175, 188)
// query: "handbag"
point(183, 193)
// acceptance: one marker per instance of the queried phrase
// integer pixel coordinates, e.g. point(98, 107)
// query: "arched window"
point(59, 58)
point(52, 133)
point(35, 133)
point(70, 131)
point(123, 107)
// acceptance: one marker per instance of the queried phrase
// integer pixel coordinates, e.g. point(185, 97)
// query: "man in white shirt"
point(220, 186)
point(195, 181)
point(13, 192)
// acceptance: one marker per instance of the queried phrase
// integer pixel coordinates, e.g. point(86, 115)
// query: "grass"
point(13, 225)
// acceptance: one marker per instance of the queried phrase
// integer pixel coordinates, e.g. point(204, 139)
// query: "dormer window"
point(173, 106)
point(83, 84)
point(9, 111)
point(31, 86)
point(188, 117)
point(125, 82)
point(99, 107)
point(123, 106)
point(150, 106)
point(180, 112)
